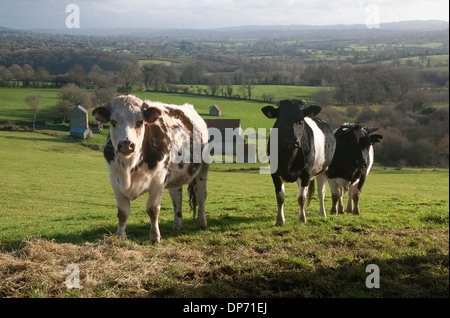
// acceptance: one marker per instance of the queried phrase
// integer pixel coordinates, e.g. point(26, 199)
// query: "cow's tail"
point(311, 189)
point(192, 199)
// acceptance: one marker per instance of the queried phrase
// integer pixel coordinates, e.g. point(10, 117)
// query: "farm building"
point(231, 141)
point(79, 125)
point(215, 111)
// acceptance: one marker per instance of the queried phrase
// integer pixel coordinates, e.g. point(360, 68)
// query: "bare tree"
point(33, 102)
point(75, 95)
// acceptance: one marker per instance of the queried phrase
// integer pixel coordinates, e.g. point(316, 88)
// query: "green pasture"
point(249, 112)
point(14, 107)
point(439, 62)
point(279, 92)
point(56, 190)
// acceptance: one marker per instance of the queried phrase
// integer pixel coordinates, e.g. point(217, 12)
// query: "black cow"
point(351, 164)
point(305, 149)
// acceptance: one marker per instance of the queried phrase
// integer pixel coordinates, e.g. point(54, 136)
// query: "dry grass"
point(108, 268)
point(115, 268)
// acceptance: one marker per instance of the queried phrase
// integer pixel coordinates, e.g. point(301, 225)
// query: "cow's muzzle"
point(125, 147)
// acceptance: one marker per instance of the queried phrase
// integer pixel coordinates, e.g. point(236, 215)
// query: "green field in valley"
point(58, 209)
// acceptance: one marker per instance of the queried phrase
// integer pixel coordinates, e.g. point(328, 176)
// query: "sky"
point(209, 14)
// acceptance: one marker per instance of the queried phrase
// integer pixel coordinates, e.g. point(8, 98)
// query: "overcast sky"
point(28, 14)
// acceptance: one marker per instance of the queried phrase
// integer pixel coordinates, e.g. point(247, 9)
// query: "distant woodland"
point(403, 71)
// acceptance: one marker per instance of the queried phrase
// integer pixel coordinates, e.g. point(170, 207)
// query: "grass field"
point(58, 209)
point(279, 92)
point(14, 107)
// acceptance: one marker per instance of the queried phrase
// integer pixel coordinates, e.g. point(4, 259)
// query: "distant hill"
point(430, 25)
point(404, 25)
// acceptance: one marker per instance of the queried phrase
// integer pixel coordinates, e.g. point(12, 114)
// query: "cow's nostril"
point(132, 146)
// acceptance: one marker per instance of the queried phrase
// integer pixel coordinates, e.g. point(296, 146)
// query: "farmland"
point(58, 209)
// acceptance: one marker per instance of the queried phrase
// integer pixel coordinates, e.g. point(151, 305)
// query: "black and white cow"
point(351, 164)
point(144, 154)
point(305, 149)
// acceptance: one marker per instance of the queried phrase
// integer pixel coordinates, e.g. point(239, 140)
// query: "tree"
point(130, 75)
point(63, 109)
point(33, 102)
point(101, 96)
point(324, 97)
point(213, 83)
point(77, 75)
point(75, 95)
point(192, 74)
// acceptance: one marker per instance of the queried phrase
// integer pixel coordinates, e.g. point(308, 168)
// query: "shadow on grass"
point(140, 233)
point(403, 277)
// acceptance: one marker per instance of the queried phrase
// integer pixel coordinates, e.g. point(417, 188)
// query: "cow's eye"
point(139, 123)
point(113, 122)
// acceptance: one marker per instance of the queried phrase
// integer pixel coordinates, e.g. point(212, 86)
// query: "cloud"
point(213, 13)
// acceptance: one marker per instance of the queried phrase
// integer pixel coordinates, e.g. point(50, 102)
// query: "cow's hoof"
point(302, 219)
point(155, 240)
point(122, 236)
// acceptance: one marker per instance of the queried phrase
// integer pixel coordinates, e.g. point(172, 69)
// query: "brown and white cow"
point(151, 146)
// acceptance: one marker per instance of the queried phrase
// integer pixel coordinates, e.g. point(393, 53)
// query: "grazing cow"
point(351, 164)
point(146, 151)
point(305, 149)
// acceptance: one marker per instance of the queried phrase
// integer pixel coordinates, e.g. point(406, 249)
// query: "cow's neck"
point(128, 164)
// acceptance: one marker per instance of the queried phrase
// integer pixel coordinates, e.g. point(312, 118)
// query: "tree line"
point(412, 97)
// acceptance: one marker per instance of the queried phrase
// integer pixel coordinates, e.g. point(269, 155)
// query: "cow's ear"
point(375, 138)
point(151, 114)
point(270, 111)
point(311, 111)
point(102, 114)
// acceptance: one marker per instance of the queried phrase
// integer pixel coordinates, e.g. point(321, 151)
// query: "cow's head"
point(355, 141)
point(127, 115)
point(290, 116)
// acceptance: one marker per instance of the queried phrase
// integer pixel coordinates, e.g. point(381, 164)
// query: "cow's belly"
point(342, 182)
point(182, 174)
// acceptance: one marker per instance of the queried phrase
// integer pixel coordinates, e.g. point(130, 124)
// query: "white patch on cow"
point(319, 146)
point(370, 163)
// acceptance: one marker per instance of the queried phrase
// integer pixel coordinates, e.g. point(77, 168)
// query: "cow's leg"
point(123, 211)
point(301, 196)
point(335, 195)
point(321, 180)
point(177, 200)
point(350, 196)
point(279, 192)
point(201, 193)
point(356, 193)
point(301, 199)
point(152, 208)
